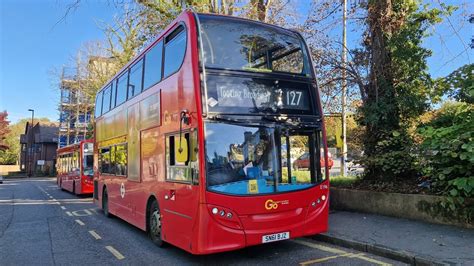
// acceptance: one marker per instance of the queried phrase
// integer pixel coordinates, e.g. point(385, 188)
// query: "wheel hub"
point(156, 223)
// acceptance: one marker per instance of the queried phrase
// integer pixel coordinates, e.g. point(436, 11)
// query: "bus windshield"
point(246, 160)
point(88, 159)
point(250, 46)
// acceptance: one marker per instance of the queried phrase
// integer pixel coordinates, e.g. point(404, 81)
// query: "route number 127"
point(293, 98)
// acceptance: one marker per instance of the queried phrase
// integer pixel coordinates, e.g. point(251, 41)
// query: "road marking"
point(80, 222)
point(115, 252)
point(320, 247)
point(82, 213)
point(362, 257)
point(329, 258)
point(43, 202)
point(69, 213)
point(62, 207)
point(50, 197)
point(95, 235)
point(339, 252)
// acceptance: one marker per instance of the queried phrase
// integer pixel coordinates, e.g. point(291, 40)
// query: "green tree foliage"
point(399, 84)
point(448, 145)
point(5, 147)
point(458, 85)
point(3, 129)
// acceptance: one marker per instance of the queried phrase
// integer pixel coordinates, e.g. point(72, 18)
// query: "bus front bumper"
point(218, 234)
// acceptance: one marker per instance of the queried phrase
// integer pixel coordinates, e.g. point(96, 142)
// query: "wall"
point(409, 206)
point(5, 169)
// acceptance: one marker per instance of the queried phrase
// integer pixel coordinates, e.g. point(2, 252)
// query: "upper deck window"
point(98, 105)
point(106, 100)
point(250, 46)
point(135, 79)
point(122, 88)
point(153, 66)
point(175, 48)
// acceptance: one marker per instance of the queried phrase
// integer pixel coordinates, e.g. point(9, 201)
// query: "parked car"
point(303, 161)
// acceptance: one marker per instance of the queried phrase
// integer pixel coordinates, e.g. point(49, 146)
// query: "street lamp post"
point(30, 152)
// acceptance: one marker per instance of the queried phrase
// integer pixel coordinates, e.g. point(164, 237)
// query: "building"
point(38, 149)
point(78, 88)
point(75, 110)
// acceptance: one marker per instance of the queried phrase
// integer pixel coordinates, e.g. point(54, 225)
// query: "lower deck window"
point(113, 160)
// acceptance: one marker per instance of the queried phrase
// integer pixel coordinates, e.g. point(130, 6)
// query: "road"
point(42, 225)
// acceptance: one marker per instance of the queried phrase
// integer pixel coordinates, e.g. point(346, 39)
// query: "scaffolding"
point(75, 110)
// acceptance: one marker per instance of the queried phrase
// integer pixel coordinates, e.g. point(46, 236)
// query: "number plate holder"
point(275, 237)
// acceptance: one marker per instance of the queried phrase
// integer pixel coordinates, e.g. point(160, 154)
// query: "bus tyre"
point(74, 188)
point(105, 204)
point(154, 224)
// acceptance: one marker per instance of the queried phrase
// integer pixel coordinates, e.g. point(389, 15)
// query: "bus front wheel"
point(105, 204)
point(154, 224)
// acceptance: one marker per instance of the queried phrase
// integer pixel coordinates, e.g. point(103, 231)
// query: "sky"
point(33, 44)
point(34, 41)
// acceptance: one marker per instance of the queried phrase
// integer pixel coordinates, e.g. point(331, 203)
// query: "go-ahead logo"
point(271, 204)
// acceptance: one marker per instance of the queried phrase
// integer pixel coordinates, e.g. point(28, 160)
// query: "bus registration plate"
point(275, 237)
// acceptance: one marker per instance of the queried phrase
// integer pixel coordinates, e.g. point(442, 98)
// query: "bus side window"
point(135, 79)
point(106, 100)
point(153, 60)
point(104, 160)
point(175, 48)
point(98, 105)
point(175, 170)
point(121, 159)
point(122, 89)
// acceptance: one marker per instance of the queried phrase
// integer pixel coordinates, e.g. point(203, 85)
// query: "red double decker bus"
point(196, 137)
point(75, 167)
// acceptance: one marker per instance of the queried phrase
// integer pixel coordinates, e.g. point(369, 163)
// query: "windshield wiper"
point(232, 121)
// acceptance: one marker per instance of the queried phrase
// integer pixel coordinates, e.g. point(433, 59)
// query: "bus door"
point(179, 201)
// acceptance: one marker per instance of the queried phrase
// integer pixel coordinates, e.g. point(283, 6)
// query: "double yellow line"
point(338, 254)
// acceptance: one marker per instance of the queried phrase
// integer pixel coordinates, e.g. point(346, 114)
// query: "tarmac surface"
point(42, 225)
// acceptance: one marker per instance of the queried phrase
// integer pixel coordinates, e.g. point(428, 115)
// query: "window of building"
point(153, 66)
point(106, 100)
point(98, 104)
point(122, 89)
point(175, 48)
point(135, 80)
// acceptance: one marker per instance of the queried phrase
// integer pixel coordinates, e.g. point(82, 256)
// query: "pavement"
point(409, 241)
point(43, 225)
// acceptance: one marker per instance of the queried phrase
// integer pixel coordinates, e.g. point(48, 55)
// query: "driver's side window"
point(182, 158)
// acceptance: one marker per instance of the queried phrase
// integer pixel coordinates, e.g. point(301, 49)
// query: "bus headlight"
point(215, 210)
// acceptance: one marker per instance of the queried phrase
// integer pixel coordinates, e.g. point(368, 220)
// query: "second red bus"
point(75, 167)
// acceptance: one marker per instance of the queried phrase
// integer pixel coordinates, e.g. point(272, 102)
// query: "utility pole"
point(344, 84)
point(30, 151)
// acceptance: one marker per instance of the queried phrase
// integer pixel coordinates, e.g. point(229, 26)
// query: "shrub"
point(394, 157)
point(448, 145)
